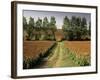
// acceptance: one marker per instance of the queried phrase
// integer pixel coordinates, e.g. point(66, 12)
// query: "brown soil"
point(59, 35)
point(32, 49)
point(79, 47)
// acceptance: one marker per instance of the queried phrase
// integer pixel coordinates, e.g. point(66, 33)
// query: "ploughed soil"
point(34, 48)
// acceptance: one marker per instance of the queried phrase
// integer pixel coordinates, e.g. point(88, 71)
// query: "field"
point(34, 51)
point(79, 47)
point(34, 48)
point(44, 54)
point(79, 52)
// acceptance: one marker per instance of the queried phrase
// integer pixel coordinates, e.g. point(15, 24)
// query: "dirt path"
point(59, 57)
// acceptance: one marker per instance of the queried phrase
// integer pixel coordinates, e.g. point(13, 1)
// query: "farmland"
point(34, 48)
point(70, 54)
point(79, 47)
point(63, 54)
point(79, 52)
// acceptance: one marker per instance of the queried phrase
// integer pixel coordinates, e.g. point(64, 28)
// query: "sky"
point(59, 16)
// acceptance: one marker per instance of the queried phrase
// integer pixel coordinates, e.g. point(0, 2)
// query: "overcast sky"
point(58, 15)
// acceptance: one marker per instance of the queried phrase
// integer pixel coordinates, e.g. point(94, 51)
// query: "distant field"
point(32, 49)
point(79, 47)
point(59, 35)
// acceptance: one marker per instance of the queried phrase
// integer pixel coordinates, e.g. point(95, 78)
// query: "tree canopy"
point(76, 28)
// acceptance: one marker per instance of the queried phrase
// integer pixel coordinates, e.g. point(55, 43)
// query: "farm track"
point(58, 58)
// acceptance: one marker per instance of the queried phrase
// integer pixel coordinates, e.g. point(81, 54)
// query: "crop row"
point(31, 62)
point(79, 60)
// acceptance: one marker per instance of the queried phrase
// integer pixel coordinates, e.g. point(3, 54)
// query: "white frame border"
point(35, 72)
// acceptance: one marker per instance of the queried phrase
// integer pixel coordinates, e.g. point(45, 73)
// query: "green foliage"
point(75, 28)
point(66, 24)
point(40, 30)
point(31, 22)
point(30, 28)
point(79, 60)
point(29, 31)
point(24, 23)
point(45, 23)
point(38, 25)
point(52, 24)
point(89, 28)
point(84, 61)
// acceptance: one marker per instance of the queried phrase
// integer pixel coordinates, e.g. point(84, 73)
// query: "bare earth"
point(34, 48)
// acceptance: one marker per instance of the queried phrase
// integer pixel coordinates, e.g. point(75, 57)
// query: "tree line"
point(76, 28)
point(40, 29)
